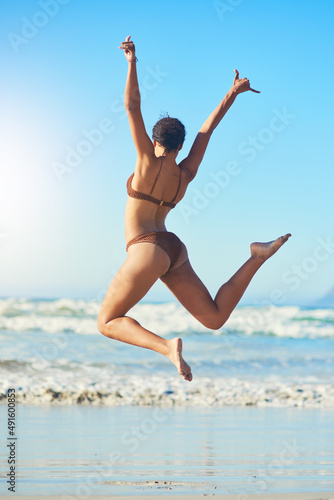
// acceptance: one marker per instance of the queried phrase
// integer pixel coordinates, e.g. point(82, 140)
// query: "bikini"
point(166, 240)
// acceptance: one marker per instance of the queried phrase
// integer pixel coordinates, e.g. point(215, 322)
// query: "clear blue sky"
point(62, 232)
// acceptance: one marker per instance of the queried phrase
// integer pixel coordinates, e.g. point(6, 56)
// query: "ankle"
point(257, 260)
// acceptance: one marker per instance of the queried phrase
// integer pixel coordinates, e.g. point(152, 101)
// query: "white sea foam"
point(94, 386)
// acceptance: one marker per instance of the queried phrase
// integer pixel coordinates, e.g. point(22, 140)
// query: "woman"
point(157, 185)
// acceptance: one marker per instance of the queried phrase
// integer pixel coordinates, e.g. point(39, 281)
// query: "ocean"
point(52, 353)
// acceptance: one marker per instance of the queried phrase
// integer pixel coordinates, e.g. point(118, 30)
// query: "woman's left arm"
point(143, 143)
point(196, 153)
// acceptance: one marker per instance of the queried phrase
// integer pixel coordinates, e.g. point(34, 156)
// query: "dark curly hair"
point(169, 133)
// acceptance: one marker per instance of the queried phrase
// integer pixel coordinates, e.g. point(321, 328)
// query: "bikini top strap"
point(178, 187)
point(158, 175)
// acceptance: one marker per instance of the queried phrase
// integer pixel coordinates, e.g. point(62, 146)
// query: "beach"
point(80, 451)
point(98, 418)
point(215, 147)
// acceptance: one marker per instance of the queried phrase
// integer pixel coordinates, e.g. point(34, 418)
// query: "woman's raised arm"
point(143, 143)
point(196, 153)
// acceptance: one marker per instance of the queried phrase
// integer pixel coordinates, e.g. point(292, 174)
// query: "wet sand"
point(128, 452)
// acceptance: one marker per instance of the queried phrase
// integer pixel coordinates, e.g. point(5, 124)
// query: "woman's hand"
point(129, 49)
point(242, 85)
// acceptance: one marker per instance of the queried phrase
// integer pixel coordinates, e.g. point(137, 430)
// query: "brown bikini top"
point(142, 196)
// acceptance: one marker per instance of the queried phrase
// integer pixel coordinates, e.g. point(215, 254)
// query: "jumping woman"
point(157, 185)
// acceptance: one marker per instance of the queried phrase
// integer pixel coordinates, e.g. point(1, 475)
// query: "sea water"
point(52, 353)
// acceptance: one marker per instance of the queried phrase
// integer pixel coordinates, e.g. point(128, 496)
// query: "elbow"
point(207, 129)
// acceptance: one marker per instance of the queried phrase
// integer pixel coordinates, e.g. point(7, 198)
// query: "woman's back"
point(153, 191)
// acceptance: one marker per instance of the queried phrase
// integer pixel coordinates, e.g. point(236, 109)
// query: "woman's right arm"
point(196, 153)
point(142, 142)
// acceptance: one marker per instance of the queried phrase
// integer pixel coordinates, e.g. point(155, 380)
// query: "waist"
point(133, 233)
point(135, 225)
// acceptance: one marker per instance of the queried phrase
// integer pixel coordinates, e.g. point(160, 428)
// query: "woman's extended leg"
point(194, 296)
point(144, 265)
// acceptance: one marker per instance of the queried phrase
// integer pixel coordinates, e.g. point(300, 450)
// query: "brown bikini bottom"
point(169, 242)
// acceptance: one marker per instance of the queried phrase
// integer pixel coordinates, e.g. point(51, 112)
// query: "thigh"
point(143, 266)
point(191, 292)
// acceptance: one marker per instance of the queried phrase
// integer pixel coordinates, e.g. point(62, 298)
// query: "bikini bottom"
point(169, 242)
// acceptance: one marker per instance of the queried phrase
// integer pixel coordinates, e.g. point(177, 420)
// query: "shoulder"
point(188, 175)
point(146, 165)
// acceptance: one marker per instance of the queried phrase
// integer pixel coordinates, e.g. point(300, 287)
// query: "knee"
point(108, 325)
point(102, 325)
point(214, 323)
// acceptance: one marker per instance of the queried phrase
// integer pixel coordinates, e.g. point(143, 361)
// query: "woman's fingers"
point(128, 48)
point(243, 81)
point(128, 44)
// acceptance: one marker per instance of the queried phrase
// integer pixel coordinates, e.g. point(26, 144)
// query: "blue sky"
point(66, 147)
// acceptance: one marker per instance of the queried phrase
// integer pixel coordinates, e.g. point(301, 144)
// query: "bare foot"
point(266, 250)
point(175, 346)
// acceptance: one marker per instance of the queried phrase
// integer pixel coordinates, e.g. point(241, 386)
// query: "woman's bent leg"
point(194, 296)
point(144, 265)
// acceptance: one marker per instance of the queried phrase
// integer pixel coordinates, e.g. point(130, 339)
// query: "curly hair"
point(169, 133)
